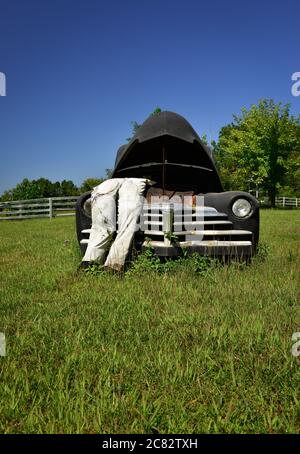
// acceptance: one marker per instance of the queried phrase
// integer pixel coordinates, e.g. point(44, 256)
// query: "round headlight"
point(241, 208)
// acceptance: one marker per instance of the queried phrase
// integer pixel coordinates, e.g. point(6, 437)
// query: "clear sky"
point(78, 72)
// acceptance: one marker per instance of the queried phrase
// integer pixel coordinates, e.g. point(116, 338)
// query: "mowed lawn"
point(178, 352)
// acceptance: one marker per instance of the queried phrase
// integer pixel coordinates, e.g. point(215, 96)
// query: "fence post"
point(50, 208)
point(283, 202)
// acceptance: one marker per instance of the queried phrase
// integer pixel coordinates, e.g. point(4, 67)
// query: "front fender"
point(83, 220)
point(223, 202)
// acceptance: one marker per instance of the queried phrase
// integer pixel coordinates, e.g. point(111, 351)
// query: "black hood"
point(166, 149)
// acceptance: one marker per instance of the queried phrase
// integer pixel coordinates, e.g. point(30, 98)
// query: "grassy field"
point(176, 352)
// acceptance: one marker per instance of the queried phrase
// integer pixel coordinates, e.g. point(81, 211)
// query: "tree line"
point(258, 150)
point(42, 188)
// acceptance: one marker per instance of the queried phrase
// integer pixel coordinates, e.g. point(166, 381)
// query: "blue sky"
point(78, 72)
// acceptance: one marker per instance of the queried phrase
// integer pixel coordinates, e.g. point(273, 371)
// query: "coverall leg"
point(129, 192)
point(103, 219)
point(130, 205)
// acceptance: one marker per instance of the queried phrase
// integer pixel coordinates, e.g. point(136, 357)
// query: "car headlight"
point(241, 208)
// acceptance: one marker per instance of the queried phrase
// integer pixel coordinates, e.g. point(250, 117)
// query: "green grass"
point(153, 352)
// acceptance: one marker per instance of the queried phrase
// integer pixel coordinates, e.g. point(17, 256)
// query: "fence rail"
point(282, 202)
point(288, 202)
point(38, 208)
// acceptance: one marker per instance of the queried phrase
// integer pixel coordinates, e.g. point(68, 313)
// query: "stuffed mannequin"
point(128, 194)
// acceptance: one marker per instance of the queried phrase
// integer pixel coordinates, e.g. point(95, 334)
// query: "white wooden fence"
point(282, 202)
point(287, 202)
point(38, 208)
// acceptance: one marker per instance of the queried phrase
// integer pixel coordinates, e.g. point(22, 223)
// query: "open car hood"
point(167, 150)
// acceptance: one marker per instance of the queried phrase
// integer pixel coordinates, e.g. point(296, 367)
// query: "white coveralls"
point(129, 192)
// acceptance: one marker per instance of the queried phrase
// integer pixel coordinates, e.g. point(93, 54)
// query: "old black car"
point(167, 150)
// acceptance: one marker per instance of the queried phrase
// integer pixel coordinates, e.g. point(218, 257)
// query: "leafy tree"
point(40, 188)
point(68, 188)
point(89, 184)
point(44, 187)
point(56, 189)
point(28, 189)
point(204, 139)
point(6, 196)
point(291, 183)
point(258, 148)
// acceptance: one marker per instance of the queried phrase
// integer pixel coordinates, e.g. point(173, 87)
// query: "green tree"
point(56, 189)
point(44, 187)
point(89, 184)
point(204, 139)
point(291, 184)
point(6, 196)
point(68, 188)
point(40, 188)
point(257, 148)
point(29, 189)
